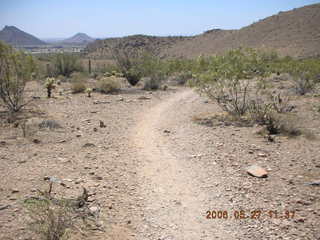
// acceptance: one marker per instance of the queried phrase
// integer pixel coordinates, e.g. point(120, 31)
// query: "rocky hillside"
point(102, 48)
point(295, 33)
point(16, 37)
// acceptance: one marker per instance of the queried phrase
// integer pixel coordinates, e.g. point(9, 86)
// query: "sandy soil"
point(155, 173)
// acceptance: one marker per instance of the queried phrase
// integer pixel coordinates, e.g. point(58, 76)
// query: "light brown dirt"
point(155, 173)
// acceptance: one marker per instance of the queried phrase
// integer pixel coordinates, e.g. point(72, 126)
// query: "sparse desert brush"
point(183, 77)
point(78, 86)
point(152, 83)
point(54, 218)
point(65, 64)
point(16, 68)
point(237, 83)
point(109, 85)
point(129, 64)
point(78, 82)
point(304, 72)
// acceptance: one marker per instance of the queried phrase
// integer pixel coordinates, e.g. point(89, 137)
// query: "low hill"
point(16, 37)
point(295, 33)
point(102, 48)
point(79, 38)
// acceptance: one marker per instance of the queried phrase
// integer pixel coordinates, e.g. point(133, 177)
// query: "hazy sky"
point(103, 18)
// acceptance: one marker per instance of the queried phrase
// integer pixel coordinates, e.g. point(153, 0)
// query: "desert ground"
point(154, 173)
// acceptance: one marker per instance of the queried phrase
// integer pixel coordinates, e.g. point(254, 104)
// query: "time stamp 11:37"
point(254, 214)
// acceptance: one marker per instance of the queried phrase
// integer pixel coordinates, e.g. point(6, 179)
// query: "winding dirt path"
point(175, 203)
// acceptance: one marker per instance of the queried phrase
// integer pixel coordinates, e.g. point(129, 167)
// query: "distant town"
point(47, 49)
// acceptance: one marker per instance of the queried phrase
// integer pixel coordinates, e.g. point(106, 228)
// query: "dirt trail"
point(175, 203)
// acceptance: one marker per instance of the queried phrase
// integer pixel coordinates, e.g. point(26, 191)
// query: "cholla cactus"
point(88, 91)
point(50, 85)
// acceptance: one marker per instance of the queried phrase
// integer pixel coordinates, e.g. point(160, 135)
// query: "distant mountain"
point(16, 37)
point(79, 38)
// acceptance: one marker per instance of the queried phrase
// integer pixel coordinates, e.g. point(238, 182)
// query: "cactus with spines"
point(88, 92)
point(50, 85)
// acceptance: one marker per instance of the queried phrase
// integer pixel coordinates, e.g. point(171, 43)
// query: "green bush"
point(109, 85)
point(128, 65)
point(65, 64)
point(16, 68)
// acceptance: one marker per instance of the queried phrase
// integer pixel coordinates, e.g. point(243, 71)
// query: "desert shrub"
point(304, 72)
point(154, 70)
point(54, 218)
point(183, 77)
point(65, 64)
point(109, 85)
point(128, 64)
point(50, 221)
point(78, 82)
point(285, 124)
point(151, 84)
point(78, 86)
point(16, 68)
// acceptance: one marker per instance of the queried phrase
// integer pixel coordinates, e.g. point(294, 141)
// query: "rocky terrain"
point(154, 173)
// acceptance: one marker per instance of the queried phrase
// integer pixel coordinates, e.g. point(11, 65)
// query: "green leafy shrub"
point(16, 68)
point(109, 85)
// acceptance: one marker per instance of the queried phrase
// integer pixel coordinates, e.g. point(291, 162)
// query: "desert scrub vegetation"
point(16, 68)
point(109, 85)
point(128, 64)
point(78, 82)
point(137, 65)
point(237, 82)
point(65, 64)
point(154, 71)
point(55, 218)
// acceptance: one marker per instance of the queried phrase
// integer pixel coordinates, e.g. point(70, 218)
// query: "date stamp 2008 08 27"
point(254, 214)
